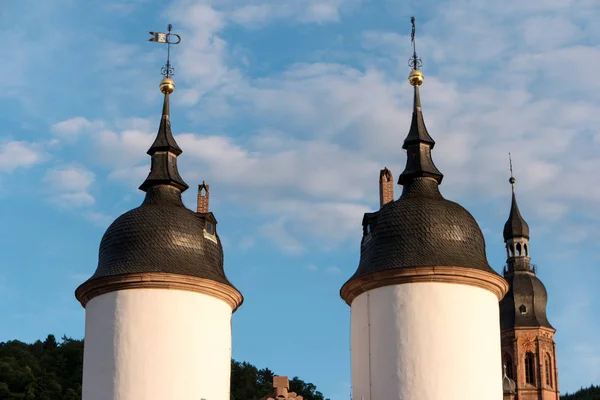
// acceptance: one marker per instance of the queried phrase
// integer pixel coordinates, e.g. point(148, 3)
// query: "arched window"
point(530, 368)
point(519, 249)
point(526, 250)
point(548, 364)
point(509, 366)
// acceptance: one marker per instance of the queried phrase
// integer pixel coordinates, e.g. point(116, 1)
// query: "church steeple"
point(418, 143)
point(527, 337)
point(164, 151)
point(516, 234)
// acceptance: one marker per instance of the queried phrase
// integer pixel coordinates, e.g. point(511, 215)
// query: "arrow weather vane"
point(414, 61)
point(169, 38)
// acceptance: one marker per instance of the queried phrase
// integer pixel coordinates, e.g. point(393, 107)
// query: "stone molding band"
point(397, 276)
point(158, 280)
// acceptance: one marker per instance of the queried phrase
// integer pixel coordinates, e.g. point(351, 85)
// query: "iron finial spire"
point(418, 143)
point(512, 179)
point(415, 77)
point(414, 61)
point(169, 38)
point(164, 151)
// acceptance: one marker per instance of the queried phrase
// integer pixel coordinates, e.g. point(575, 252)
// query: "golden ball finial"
point(167, 85)
point(415, 77)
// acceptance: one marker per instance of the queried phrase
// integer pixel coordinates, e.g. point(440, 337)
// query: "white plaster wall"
point(157, 344)
point(426, 341)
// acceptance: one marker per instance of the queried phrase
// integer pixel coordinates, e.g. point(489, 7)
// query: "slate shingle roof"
point(515, 226)
point(525, 290)
point(162, 235)
point(421, 229)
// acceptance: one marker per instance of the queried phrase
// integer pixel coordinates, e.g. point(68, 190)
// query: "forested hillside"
point(52, 371)
point(591, 393)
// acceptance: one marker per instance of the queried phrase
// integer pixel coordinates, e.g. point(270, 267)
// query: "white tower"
point(159, 306)
point(424, 301)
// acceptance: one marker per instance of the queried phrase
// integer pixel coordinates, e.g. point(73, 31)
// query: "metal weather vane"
point(169, 38)
point(414, 61)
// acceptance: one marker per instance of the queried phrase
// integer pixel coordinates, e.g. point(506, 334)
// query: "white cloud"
point(15, 155)
point(100, 219)
point(71, 128)
point(312, 267)
point(280, 235)
point(69, 186)
point(247, 242)
point(253, 14)
point(333, 270)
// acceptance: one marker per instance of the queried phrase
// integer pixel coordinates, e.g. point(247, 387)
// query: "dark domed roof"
point(525, 303)
point(421, 229)
point(161, 235)
point(515, 226)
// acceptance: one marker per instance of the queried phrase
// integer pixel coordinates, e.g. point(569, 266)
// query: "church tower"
point(424, 300)
point(528, 348)
point(158, 308)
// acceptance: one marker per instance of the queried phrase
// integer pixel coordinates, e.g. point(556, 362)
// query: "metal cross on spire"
point(169, 38)
point(414, 61)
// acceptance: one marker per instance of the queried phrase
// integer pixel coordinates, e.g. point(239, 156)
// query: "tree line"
point(590, 393)
point(51, 370)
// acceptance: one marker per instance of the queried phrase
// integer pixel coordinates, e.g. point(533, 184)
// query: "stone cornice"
point(397, 276)
point(158, 280)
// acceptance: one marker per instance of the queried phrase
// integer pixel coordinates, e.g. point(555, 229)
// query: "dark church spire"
point(418, 143)
point(164, 151)
point(516, 235)
point(515, 226)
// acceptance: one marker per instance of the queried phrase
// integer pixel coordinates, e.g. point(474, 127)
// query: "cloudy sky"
point(289, 110)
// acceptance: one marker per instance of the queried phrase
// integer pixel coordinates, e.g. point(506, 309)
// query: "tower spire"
point(516, 233)
point(165, 150)
point(418, 143)
point(516, 226)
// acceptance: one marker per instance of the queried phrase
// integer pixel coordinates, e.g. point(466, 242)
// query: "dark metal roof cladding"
point(418, 145)
point(525, 303)
point(164, 152)
point(162, 235)
point(515, 226)
point(421, 228)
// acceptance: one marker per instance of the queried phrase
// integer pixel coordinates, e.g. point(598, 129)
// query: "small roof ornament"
point(165, 150)
point(415, 77)
point(418, 142)
point(167, 86)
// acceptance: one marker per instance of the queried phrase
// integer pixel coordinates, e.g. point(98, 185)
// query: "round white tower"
point(424, 301)
point(159, 306)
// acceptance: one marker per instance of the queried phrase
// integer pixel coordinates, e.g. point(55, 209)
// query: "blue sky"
point(289, 110)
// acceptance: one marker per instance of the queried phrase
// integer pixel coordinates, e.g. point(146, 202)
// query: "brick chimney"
point(203, 198)
point(386, 187)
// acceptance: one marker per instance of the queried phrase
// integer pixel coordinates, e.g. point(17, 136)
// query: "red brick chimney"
point(386, 187)
point(203, 198)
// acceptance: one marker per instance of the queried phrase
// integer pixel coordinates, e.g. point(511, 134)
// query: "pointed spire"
point(515, 226)
point(418, 142)
point(165, 150)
